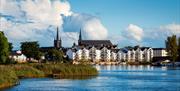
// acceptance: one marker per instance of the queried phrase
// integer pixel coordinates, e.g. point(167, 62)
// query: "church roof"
point(96, 42)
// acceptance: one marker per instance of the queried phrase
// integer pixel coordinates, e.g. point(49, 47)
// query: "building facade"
point(159, 52)
point(105, 51)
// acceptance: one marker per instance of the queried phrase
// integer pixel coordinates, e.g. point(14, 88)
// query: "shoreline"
point(11, 74)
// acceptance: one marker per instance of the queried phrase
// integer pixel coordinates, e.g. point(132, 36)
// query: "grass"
point(10, 74)
point(66, 69)
point(24, 71)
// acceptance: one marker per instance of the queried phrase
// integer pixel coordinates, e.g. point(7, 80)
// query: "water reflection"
point(124, 67)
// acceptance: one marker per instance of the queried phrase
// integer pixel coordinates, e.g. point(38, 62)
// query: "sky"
point(124, 22)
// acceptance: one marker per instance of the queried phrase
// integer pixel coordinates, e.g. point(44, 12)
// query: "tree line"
point(30, 49)
point(173, 48)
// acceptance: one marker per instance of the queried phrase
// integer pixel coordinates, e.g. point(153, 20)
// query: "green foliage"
point(66, 69)
point(10, 47)
point(27, 71)
point(172, 47)
point(55, 55)
point(31, 50)
point(7, 76)
point(84, 62)
point(4, 48)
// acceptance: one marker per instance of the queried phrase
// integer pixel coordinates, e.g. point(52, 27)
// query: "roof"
point(96, 43)
point(159, 48)
point(143, 48)
point(115, 50)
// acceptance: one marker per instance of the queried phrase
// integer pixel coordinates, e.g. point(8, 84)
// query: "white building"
point(94, 54)
point(135, 54)
point(138, 54)
point(71, 53)
point(159, 52)
point(105, 54)
point(85, 54)
point(18, 57)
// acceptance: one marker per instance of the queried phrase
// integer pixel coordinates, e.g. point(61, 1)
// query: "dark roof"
point(96, 43)
point(159, 48)
point(143, 48)
point(124, 50)
point(115, 50)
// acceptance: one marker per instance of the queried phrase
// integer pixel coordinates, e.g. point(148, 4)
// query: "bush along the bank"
point(8, 77)
point(24, 71)
point(9, 74)
point(66, 69)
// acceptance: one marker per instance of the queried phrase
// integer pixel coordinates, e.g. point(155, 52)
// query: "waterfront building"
point(93, 50)
point(136, 54)
point(159, 52)
point(18, 56)
point(105, 51)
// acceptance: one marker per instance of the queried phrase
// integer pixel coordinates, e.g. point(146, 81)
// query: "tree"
point(172, 47)
point(4, 48)
point(55, 55)
point(31, 50)
point(10, 47)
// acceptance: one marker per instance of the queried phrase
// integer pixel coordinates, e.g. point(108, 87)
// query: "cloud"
point(171, 29)
point(36, 20)
point(91, 27)
point(95, 30)
point(134, 32)
point(32, 20)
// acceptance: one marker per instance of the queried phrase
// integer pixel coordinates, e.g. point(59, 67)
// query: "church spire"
point(80, 36)
point(57, 41)
point(57, 36)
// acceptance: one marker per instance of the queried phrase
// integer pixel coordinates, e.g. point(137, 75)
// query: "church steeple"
point(57, 36)
point(80, 38)
point(57, 41)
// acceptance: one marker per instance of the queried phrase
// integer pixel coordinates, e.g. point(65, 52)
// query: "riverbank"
point(10, 74)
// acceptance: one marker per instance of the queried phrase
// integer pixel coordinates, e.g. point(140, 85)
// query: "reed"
point(10, 74)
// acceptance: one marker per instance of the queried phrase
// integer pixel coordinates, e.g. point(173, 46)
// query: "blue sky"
point(124, 22)
point(117, 14)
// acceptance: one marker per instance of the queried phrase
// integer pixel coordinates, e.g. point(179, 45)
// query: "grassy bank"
point(10, 74)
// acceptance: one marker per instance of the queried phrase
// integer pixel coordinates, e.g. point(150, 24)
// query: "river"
point(110, 78)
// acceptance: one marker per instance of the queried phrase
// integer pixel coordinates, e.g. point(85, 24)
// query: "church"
point(100, 51)
point(93, 50)
point(57, 43)
point(95, 43)
point(105, 51)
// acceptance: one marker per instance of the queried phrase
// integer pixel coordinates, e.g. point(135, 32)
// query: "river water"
point(110, 78)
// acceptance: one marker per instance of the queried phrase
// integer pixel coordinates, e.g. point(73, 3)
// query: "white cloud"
point(95, 30)
point(171, 29)
point(91, 27)
point(26, 20)
point(10, 7)
point(68, 38)
point(134, 32)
